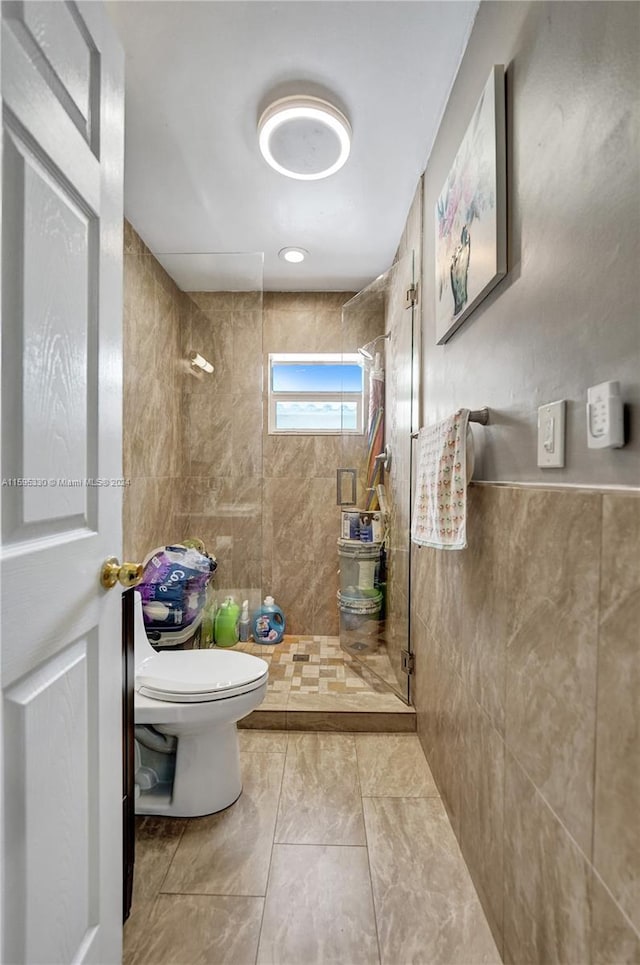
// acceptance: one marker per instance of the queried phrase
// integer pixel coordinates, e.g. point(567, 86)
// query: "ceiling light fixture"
point(302, 137)
point(293, 255)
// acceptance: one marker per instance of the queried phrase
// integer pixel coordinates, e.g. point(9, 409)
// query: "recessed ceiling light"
point(306, 138)
point(293, 255)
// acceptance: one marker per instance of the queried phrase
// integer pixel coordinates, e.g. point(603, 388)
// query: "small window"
point(311, 394)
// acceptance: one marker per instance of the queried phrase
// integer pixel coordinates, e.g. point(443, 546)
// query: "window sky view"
point(315, 377)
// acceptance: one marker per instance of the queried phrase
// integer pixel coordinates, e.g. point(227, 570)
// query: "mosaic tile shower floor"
point(311, 665)
point(313, 673)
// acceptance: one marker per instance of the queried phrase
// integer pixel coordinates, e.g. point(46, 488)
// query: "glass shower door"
point(221, 494)
point(373, 552)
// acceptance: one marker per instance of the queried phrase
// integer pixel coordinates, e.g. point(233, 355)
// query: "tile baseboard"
point(337, 721)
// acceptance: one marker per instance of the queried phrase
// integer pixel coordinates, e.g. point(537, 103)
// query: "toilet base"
point(207, 776)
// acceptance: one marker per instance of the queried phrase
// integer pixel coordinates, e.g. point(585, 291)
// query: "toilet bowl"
point(186, 705)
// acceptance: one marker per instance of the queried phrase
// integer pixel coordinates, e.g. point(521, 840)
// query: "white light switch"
point(551, 435)
point(605, 428)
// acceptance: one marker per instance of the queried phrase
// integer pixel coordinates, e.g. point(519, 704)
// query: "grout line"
point(435, 796)
point(632, 927)
point(205, 894)
point(270, 753)
point(175, 851)
point(502, 904)
point(132, 952)
point(316, 844)
point(366, 838)
point(502, 948)
point(154, 898)
point(596, 688)
point(273, 840)
point(509, 751)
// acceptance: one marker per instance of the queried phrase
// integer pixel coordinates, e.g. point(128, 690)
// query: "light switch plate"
point(551, 422)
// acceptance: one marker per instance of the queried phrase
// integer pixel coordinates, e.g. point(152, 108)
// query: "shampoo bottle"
point(244, 622)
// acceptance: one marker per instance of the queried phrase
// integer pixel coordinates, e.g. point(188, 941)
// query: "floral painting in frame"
point(471, 216)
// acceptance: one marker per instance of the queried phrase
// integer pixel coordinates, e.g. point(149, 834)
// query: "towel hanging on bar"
point(440, 507)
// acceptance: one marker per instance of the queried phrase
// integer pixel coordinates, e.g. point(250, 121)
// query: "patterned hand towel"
point(440, 507)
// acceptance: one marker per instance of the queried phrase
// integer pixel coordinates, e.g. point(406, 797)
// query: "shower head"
point(365, 350)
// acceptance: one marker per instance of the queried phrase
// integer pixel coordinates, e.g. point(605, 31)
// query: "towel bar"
point(480, 416)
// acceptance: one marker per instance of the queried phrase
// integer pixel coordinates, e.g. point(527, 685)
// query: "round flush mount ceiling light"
point(293, 255)
point(303, 137)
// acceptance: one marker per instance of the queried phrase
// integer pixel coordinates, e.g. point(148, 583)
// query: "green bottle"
point(208, 619)
point(226, 623)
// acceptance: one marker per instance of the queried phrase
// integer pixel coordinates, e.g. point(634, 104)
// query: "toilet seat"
point(199, 676)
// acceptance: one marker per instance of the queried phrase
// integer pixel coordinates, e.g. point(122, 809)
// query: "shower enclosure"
point(376, 474)
point(264, 501)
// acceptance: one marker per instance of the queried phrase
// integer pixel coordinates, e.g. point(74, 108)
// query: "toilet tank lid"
point(199, 671)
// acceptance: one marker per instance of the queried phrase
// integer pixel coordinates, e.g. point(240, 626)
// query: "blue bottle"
point(268, 623)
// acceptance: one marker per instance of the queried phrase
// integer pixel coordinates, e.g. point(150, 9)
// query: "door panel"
point(62, 94)
point(381, 309)
point(51, 294)
point(51, 720)
point(65, 53)
point(36, 108)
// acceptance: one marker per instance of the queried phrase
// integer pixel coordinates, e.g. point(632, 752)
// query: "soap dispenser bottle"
point(226, 623)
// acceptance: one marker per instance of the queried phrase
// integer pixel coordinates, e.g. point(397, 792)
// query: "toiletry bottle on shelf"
point(208, 618)
point(226, 623)
point(268, 623)
point(245, 623)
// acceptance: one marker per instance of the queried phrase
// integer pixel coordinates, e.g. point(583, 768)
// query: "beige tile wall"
point(154, 312)
point(222, 437)
point(528, 674)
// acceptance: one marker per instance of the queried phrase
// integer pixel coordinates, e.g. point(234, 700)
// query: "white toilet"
point(186, 706)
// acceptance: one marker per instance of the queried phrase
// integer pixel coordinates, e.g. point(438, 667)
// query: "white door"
point(60, 668)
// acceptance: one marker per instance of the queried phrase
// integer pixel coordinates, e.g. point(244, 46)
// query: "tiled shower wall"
point(154, 313)
point(527, 687)
point(221, 485)
point(192, 442)
point(200, 460)
point(265, 504)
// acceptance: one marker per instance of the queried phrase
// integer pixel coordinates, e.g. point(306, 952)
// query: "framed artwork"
point(471, 214)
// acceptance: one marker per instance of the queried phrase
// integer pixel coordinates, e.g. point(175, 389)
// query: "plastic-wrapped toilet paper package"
point(173, 587)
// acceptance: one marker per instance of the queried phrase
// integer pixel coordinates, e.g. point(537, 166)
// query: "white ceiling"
point(198, 74)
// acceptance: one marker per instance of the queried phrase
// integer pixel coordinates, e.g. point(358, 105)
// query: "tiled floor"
point(338, 851)
point(313, 685)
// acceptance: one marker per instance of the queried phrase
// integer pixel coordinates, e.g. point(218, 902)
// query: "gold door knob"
point(127, 574)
